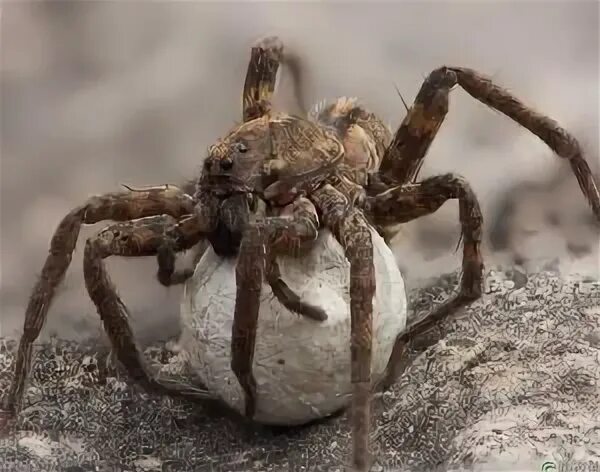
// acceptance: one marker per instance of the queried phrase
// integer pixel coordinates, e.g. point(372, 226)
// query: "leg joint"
point(443, 77)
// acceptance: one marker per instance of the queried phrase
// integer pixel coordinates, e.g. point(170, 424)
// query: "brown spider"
point(266, 189)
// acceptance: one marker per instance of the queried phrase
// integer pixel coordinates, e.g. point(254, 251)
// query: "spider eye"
point(241, 147)
point(226, 164)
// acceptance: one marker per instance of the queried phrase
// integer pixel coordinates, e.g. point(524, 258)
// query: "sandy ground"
point(512, 384)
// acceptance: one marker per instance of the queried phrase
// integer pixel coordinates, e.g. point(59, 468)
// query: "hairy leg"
point(122, 206)
point(407, 202)
point(260, 241)
point(404, 157)
point(352, 231)
point(138, 238)
point(284, 294)
point(261, 76)
point(288, 298)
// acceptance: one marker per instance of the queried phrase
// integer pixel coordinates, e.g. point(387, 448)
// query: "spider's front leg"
point(407, 202)
point(144, 237)
point(261, 241)
point(351, 229)
point(121, 206)
point(404, 156)
point(138, 238)
point(261, 77)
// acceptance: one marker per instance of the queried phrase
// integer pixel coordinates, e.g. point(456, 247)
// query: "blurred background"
point(95, 94)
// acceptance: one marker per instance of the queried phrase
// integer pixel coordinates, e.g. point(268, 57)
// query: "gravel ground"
point(512, 383)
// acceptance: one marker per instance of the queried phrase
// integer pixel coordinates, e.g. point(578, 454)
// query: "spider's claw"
point(250, 398)
point(111, 363)
point(248, 384)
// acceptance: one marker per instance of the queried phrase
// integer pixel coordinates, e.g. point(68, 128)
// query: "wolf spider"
point(266, 189)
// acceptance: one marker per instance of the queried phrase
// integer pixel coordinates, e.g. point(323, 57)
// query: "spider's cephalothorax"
point(265, 190)
point(263, 164)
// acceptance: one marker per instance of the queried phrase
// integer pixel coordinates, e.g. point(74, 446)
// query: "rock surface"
point(513, 383)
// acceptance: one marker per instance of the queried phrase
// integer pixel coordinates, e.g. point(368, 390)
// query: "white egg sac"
point(301, 366)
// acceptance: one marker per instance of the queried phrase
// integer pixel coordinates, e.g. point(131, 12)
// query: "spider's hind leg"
point(404, 157)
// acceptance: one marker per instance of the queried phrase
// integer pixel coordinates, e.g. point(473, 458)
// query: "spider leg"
point(404, 157)
point(166, 256)
point(407, 202)
point(260, 240)
point(288, 298)
point(353, 232)
point(281, 290)
point(138, 238)
point(119, 206)
point(261, 76)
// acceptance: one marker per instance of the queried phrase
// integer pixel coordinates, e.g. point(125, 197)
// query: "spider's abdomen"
point(364, 136)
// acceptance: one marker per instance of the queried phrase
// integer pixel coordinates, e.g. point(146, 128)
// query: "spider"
point(267, 188)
